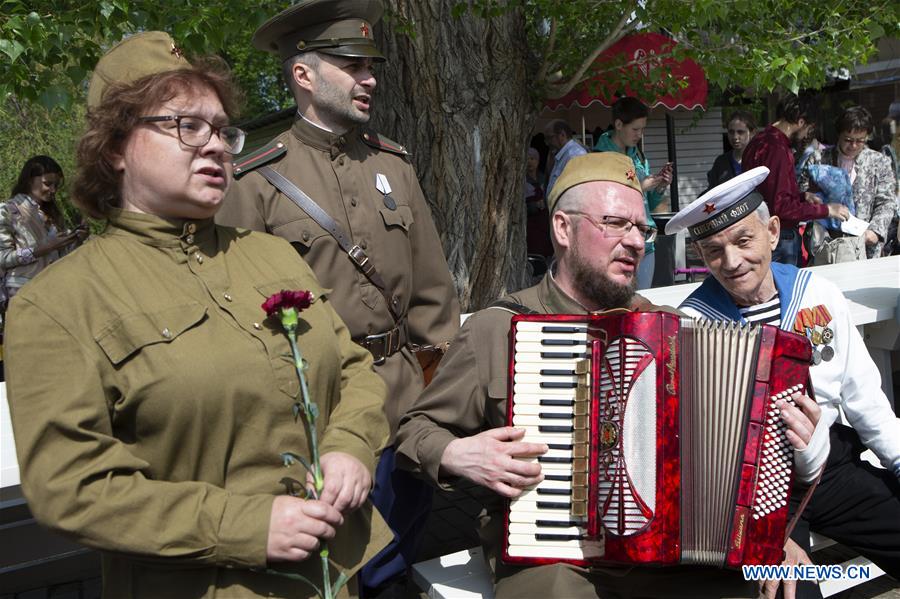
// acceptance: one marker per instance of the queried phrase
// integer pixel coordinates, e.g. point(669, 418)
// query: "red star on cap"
point(709, 208)
point(630, 175)
point(364, 29)
point(177, 51)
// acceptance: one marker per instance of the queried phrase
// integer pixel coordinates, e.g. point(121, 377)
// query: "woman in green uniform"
point(151, 397)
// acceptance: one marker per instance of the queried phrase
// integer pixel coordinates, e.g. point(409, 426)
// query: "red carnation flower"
point(284, 300)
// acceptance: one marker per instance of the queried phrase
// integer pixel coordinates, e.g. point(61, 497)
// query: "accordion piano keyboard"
point(550, 519)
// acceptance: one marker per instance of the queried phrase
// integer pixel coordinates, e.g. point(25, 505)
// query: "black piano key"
point(553, 505)
point(566, 492)
point(559, 477)
point(563, 329)
point(550, 385)
point(558, 355)
point(561, 537)
point(561, 342)
point(562, 403)
point(558, 523)
point(555, 429)
point(555, 416)
point(563, 446)
point(553, 460)
point(557, 372)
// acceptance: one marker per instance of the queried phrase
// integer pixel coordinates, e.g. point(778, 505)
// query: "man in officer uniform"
point(377, 247)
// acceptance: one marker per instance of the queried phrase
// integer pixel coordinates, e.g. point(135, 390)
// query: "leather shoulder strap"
point(511, 306)
point(357, 255)
point(259, 157)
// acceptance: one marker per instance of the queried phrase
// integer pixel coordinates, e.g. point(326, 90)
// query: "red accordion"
point(665, 443)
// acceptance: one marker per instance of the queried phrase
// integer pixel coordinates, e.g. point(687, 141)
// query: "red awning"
point(639, 53)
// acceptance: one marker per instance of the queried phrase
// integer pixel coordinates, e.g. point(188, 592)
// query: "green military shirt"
point(339, 172)
point(151, 398)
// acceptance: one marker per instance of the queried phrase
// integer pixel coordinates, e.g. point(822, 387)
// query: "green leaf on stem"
point(341, 580)
point(294, 576)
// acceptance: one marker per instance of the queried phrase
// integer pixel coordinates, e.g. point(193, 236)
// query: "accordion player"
point(665, 445)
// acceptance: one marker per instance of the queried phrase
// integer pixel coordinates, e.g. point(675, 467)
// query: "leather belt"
point(384, 345)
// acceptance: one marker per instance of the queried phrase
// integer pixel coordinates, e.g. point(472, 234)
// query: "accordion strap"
point(803, 503)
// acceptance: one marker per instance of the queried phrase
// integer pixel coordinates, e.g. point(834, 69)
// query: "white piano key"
point(520, 514)
point(588, 550)
point(520, 408)
point(530, 377)
point(526, 528)
point(525, 336)
point(541, 325)
point(535, 389)
point(537, 364)
point(523, 506)
point(515, 539)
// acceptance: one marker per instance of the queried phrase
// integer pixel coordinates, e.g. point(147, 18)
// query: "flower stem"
point(310, 415)
point(319, 481)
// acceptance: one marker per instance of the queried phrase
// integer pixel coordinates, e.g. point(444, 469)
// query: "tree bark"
point(456, 93)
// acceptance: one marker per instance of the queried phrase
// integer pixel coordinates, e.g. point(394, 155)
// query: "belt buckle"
point(382, 340)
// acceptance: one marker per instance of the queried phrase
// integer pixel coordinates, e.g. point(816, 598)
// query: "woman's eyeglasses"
point(196, 132)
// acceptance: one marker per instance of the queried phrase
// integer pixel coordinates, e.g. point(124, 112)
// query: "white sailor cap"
point(721, 206)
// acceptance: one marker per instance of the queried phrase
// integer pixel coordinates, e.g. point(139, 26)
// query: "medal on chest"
point(814, 324)
point(383, 186)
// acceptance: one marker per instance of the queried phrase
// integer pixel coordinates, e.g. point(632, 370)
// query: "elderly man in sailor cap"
point(733, 232)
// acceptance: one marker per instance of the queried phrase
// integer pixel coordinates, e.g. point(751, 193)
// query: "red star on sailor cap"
point(364, 28)
point(709, 208)
point(177, 51)
point(630, 175)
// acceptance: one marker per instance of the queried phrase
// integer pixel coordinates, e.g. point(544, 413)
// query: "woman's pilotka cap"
point(721, 206)
point(131, 59)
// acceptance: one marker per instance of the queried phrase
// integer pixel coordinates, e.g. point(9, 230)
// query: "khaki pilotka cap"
point(131, 59)
point(337, 27)
point(594, 166)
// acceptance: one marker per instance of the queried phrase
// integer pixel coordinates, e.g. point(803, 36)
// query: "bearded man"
point(457, 427)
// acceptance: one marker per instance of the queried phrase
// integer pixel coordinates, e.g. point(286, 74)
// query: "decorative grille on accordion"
point(665, 443)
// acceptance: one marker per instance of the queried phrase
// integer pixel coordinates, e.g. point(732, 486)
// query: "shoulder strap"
point(511, 306)
point(269, 152)
point(381, 142)
point(357, 255)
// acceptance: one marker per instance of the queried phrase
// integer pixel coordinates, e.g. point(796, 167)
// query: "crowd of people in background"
point(813, 187)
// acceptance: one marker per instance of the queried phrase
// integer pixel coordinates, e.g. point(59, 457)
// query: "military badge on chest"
point(382, 185)
point(814, 324)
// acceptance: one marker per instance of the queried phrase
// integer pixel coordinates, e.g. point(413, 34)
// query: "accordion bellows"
point(665, 444)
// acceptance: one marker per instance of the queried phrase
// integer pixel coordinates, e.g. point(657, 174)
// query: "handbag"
point(832, 250)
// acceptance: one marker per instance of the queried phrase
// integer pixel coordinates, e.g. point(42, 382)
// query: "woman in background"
point(629, 120)
point(32, 229)
point(741, 127)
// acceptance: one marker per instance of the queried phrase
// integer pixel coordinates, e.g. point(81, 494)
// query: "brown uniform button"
point(166, 333)
point(341, 161)
point(189, 239)
point(191, 228)
point(227, 297)
point(353, 202)
point(305, 236)
point(257, 326)
point(199, 258)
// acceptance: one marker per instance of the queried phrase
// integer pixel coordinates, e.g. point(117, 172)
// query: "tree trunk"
point(456, 93)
